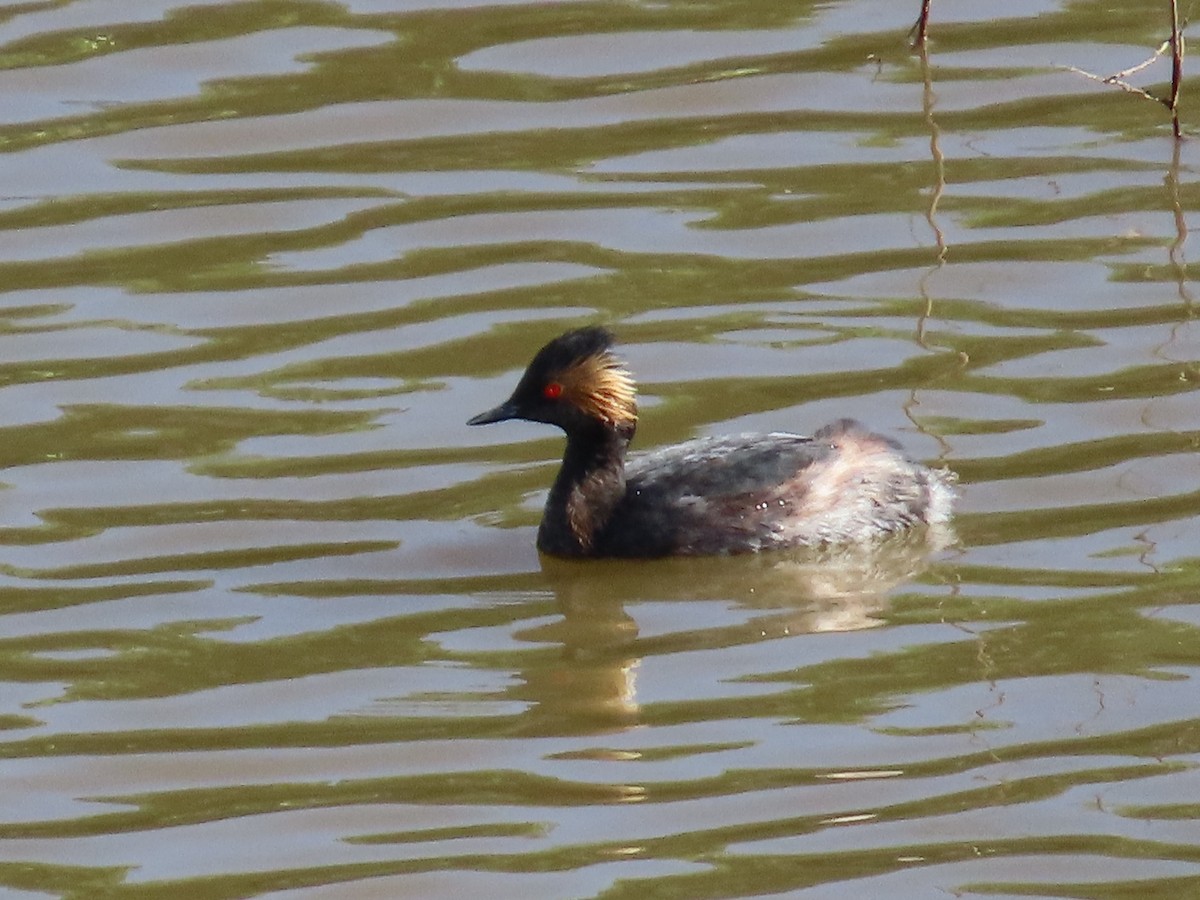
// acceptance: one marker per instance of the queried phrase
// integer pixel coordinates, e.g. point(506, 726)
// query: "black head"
point(573, 381)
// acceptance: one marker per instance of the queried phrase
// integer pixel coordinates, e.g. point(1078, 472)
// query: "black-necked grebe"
point(710, 496)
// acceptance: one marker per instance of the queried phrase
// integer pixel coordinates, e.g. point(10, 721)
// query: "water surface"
point(271, 619)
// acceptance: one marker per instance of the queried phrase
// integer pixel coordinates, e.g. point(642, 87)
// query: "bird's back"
point(761, 491)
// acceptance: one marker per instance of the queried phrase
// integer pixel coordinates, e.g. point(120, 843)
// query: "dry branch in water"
point(920, 31)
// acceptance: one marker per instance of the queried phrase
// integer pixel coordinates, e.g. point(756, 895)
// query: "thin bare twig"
point(1176, 66)
point(920, 30)
point(1118, 79)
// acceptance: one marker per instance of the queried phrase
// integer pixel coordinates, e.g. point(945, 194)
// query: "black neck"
point(589, 485)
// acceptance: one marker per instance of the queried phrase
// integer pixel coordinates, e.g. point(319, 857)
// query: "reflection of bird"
point(711, 496)
point(613, 615)
point(814, 589)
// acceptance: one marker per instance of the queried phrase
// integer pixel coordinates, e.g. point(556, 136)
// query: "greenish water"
point(271, 619)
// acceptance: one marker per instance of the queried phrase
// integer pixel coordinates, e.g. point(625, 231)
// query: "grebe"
point(720, 495)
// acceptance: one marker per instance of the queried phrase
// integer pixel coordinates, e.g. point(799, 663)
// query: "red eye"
point(552, 391)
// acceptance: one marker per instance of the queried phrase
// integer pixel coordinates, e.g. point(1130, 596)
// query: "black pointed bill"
point(505, 411)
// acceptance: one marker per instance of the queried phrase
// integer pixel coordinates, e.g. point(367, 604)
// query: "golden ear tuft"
point(602, 387)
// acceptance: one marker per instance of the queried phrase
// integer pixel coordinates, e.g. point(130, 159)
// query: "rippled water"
point(272, 620)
